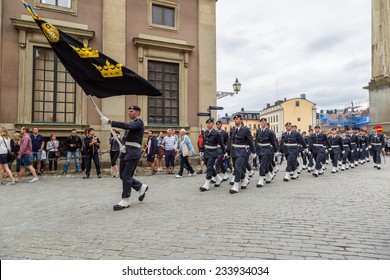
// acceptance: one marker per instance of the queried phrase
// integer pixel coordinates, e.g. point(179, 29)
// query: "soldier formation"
point(312, 152)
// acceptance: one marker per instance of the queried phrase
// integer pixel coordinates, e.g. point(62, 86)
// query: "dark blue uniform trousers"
point(126, 172)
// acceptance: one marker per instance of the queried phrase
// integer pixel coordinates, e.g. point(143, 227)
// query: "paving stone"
point(332, 217)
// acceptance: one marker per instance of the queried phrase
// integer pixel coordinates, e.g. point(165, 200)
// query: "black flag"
point(98, 75)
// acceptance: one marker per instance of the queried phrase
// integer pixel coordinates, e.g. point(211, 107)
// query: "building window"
point(299, 119)
point(59, 3)
point(62, 6)
point(276, 118)
point(165, 109)
point(254, 126)
point(163, 14)
point(297, 103)
point(54, 90)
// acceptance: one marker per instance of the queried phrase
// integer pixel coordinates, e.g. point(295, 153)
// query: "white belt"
point(133, 144)
point(318, 145)
point(211, 147)
point(291, 145)
point(335, 146)
point(240, 146)
point(263, 144)
point(376, 144)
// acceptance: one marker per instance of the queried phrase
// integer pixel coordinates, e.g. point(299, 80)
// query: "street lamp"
point(236, 86)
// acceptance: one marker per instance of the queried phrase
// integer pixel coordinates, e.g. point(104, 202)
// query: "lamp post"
point(236, 86)
point(236, 89)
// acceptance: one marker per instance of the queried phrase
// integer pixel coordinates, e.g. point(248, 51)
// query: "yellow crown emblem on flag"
point(110, 70)
point(86, 51)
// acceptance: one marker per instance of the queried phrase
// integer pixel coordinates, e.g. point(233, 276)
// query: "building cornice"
point(172, 45)
point(31, 26)
point(377, 83)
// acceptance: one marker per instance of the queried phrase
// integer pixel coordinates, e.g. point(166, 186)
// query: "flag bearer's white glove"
point(105, 120)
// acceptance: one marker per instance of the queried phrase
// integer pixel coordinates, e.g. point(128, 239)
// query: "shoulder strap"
point(5, 142)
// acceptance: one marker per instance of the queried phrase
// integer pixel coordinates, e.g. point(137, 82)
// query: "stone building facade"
point(171, 43)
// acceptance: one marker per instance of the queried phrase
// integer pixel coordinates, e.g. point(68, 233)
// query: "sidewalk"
point(334, 216)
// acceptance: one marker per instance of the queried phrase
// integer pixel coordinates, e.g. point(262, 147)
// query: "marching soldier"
point(299, 158)
point(318, 143)
point(347, 150)
point(310, 162)
point(272, 167)
point(302, 152)
point(367, 138)
point(212, 139)
point(129, 160)
point(242, 146)
point(290, 141)
point(265, 140)
point(336, 144)
point(354, 153)
point(363, 147)
point(377, 146)
point(219, 166)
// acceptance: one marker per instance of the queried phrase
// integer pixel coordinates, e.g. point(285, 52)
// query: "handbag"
point(10, 155)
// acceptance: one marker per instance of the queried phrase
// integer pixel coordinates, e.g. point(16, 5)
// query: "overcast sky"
point(280, 49)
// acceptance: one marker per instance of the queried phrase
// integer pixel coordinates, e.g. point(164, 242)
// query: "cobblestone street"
point(336, 216)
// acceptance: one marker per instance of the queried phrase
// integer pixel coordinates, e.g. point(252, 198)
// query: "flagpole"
point(121, 146)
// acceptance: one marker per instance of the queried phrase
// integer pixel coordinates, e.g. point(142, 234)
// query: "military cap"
point(287, 123)
point(310, 129)
point(294, 125)
point(333, 128)
point(135, 108)
point(218, 122)
point(263, 119)
point(237, 116)
point(317, 126)
point(209, 120)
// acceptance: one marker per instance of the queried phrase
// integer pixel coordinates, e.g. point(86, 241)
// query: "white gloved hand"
point(105, 120)
point(342, 152)
point(306, 151)
point(226, 155)
point(369, 147)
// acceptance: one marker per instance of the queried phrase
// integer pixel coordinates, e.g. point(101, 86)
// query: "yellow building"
point(298, 111)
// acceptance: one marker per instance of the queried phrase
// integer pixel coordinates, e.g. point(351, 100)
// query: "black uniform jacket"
point(318, 142)
point(266, 142)
point(134, 134)
point(290, 142)
point(336, 142)
point(376, 139)
point(212, 138)
point(242, 142)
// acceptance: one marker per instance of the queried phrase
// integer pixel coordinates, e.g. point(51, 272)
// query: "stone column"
point(379, 86)
point(114, 46)
point(207, 56)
